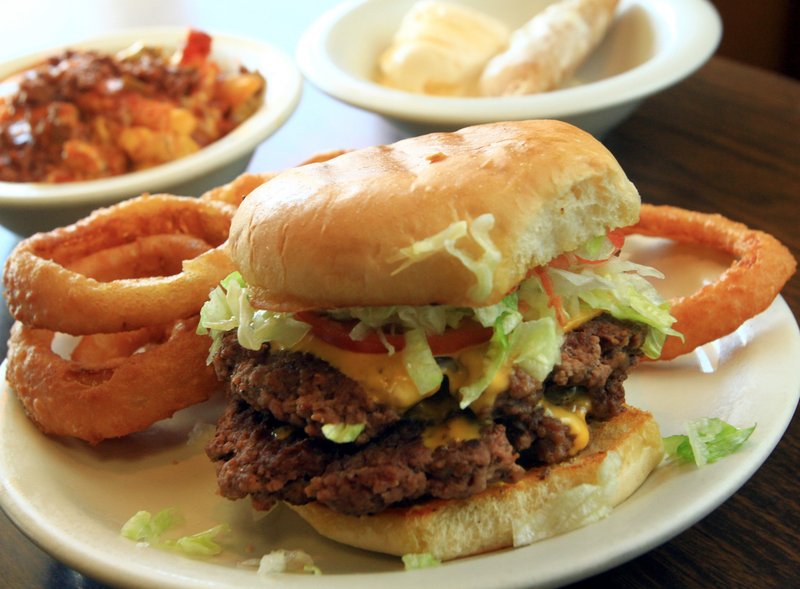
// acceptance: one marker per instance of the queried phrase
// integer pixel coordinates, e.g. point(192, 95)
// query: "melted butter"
point(456, 429)
point(574, 417)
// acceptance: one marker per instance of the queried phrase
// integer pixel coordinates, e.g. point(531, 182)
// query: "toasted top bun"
point(546, 502)
point(328, 235)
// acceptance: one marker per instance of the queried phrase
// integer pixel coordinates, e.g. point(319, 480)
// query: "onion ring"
point(235, 191)
point(761, 268)
point(324, 156)
point(43, 292)
point(112, 398)
point(103, 350)
point(153, 255)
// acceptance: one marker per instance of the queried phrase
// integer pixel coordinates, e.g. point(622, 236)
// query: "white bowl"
point(651, 45)
point(26, 207)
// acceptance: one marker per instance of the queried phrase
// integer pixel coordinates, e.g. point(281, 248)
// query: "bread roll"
point(550, 500)
point(327, 235)
point(546, 51)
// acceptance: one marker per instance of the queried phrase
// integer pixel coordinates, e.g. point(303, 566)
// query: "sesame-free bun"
point(549, 500)
point(328, 235)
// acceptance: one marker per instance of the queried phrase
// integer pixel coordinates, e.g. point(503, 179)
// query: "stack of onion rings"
point(761, 267)
point(130, 279)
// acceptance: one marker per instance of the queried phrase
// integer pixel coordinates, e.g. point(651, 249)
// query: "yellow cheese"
point(456, 429)
point(386, 379)
point(583, 315)
point(574, 417)
point(383, 376)
point(468, 367)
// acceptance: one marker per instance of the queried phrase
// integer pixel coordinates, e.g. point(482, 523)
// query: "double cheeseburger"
point(425, 346)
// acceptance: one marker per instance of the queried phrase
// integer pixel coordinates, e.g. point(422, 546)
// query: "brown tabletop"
point(726, 140)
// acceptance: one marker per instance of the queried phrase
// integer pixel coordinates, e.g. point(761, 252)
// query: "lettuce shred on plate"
point(144, 527)
point(287, 561)
point(528, 329)
point(706, 441)
point(421, 560)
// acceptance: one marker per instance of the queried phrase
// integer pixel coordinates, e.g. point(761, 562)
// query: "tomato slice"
point(197, 48)
point(617, 237)
point(470, 333)
point(337, 333)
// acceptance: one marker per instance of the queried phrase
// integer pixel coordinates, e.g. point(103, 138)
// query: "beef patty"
point(269, 444)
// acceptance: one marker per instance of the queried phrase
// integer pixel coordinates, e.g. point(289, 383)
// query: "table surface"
point(727, 140)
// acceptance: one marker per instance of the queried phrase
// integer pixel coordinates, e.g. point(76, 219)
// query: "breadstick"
point(548, 49)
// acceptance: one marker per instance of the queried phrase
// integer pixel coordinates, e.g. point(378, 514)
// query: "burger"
point(425, 344)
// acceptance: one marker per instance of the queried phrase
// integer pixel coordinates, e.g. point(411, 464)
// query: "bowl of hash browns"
point(154, 110)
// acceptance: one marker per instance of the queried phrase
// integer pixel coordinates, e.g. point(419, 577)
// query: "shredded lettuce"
point(483, 267)
point(706, 441)
point(504, 317)
point(420, 363)
point(419, 322)
point(535, 346)
point(144, 527)
point(422, 560)
point(202, 543)
point(425, 248)
point(428, 318)
point(287, 561)
point(617, 287)
point(342, 433)
point(526, 331)
point(228, 307)
point(597, 248)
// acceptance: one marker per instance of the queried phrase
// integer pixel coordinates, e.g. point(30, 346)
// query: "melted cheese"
point(386, 379)
point(574, 417)
point(583, 315)
point(383, 376)
point(468, 367)
point(456, 429)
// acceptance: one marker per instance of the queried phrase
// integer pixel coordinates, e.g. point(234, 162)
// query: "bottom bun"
point(549, 500)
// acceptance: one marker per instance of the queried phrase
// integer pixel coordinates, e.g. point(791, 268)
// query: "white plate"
point(71, 499)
